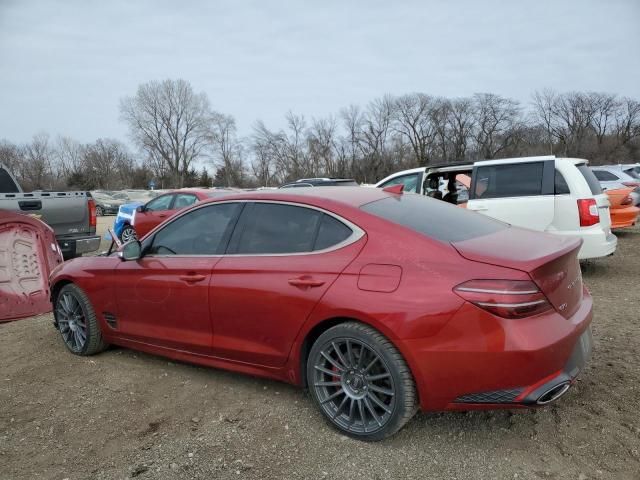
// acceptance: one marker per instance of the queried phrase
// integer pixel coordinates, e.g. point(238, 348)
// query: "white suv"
point(549, 194)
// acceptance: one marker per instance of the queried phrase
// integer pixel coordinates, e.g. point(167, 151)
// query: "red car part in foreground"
point(28, 253)
point(379, 302)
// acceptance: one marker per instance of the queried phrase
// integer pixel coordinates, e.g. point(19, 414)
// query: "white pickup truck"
point(548, 194)
point(72, 215)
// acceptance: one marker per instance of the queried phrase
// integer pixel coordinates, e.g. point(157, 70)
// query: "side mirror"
point(131, 250)
point(140, 208)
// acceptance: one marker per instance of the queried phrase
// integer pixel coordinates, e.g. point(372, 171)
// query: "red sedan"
point(380, 303)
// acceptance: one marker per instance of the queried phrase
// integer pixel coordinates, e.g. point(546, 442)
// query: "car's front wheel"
point(361, 382)
point(128, 233)
point(77, 322)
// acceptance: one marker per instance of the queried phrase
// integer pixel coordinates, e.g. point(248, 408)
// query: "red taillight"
point(505, 298)
point(631, 184)
point(588, 211)
point(93, 219)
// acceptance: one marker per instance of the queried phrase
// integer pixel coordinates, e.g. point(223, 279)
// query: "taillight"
point(93, 219)
point(588, 211)
point(505, 298)
point(631, 184)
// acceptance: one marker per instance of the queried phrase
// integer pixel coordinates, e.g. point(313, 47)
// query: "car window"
point(434, 218)
point(203, 231)
point(561, 187)
point(410, 182)
point(184, 200)
point(633, 172)
point(604, 176)
point(7, 185)
point(509, 180)
point(160, 203)
point(331, 232)
point(277, 228)
point(594, 184)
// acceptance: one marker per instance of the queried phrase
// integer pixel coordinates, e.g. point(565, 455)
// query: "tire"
point(99, 211)
point(360, 382)
point(76, 320)
point(128, 233)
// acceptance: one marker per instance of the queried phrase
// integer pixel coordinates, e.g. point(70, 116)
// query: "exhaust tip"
point(553, 394)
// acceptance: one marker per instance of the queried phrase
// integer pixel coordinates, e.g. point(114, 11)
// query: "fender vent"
point(111, 320)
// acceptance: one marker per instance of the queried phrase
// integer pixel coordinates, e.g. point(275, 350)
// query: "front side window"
point(271, 228)
point(161, 203)
point(508, 180)
point(604, 176)
point(203, 231)
point(410, 182)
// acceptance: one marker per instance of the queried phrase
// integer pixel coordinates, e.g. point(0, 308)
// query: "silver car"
point(620, 176)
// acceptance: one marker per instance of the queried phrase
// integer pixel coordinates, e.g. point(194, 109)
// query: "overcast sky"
point(65, 65)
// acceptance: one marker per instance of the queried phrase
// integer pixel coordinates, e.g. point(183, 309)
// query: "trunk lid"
point(550, 260)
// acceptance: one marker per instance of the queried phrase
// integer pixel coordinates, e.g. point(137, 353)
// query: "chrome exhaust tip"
point(554, 393)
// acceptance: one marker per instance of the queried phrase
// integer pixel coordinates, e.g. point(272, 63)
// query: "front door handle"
point(192, 278)
point(305, 282)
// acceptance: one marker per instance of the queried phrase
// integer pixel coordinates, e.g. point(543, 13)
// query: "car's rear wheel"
point(128, 233)
point(77, 322)
point(99, 211)
point(360, 381)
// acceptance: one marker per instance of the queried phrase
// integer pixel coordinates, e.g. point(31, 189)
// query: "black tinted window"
point(7, 185)
point(331, 232)
point(277, 228)
point(510, 180)
point(204, 231)
point(561, 187)
point(594, 184)
point(434, 218)
point(605, 176)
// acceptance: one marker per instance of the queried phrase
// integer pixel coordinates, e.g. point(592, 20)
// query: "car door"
point(153, 213)
point(281, 260)
point(163, 298)
point(520, 193)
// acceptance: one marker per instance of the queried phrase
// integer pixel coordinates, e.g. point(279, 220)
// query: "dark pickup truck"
point(72, 215)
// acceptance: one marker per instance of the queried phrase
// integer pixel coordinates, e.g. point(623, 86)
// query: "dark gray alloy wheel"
point(128, 234)
point(77, 322)
point(360, 381)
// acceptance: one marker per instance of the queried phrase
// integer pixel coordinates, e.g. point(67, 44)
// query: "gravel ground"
point(123, 414)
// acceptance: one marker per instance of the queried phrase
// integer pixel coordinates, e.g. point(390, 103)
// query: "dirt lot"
point(123, 414)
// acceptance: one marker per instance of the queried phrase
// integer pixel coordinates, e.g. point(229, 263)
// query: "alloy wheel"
point(128, 234)
point(71, 321)
point(354, 386)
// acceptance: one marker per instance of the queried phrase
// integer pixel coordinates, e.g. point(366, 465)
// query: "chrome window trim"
point(357, 232)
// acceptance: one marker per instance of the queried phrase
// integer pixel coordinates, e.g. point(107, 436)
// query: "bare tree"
point(35, 172)
point(415, 123)
point(497, 122)
point(170, 123)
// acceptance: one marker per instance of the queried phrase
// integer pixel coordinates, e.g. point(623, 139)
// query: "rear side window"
point(434, 218)
point(184, 200)
point(204, 231)
point(273, 228)
point(7, 185)
point(561, 187)
point(604, 176)
point(594, 184)
point(161, 203)
point(510, 180)
point(632, 173)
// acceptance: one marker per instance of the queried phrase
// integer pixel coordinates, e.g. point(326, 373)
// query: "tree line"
point(173, 129)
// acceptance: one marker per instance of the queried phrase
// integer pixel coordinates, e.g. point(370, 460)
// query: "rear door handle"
point(192, 278)
point(305, 282)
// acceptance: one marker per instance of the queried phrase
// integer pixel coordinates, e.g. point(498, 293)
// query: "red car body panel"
point(251, 314)
point(28, 253)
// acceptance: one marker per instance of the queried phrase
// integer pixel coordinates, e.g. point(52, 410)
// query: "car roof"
point(348, 196)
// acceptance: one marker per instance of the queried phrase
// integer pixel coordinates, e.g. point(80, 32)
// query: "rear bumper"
point(479, 361)
point(71, 247)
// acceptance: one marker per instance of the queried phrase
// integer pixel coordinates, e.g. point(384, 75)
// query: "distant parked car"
point(136, 219)
point(623, 212)
point(321, 182)
point(549, 194)
point(619, 176)
point(105, 203)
